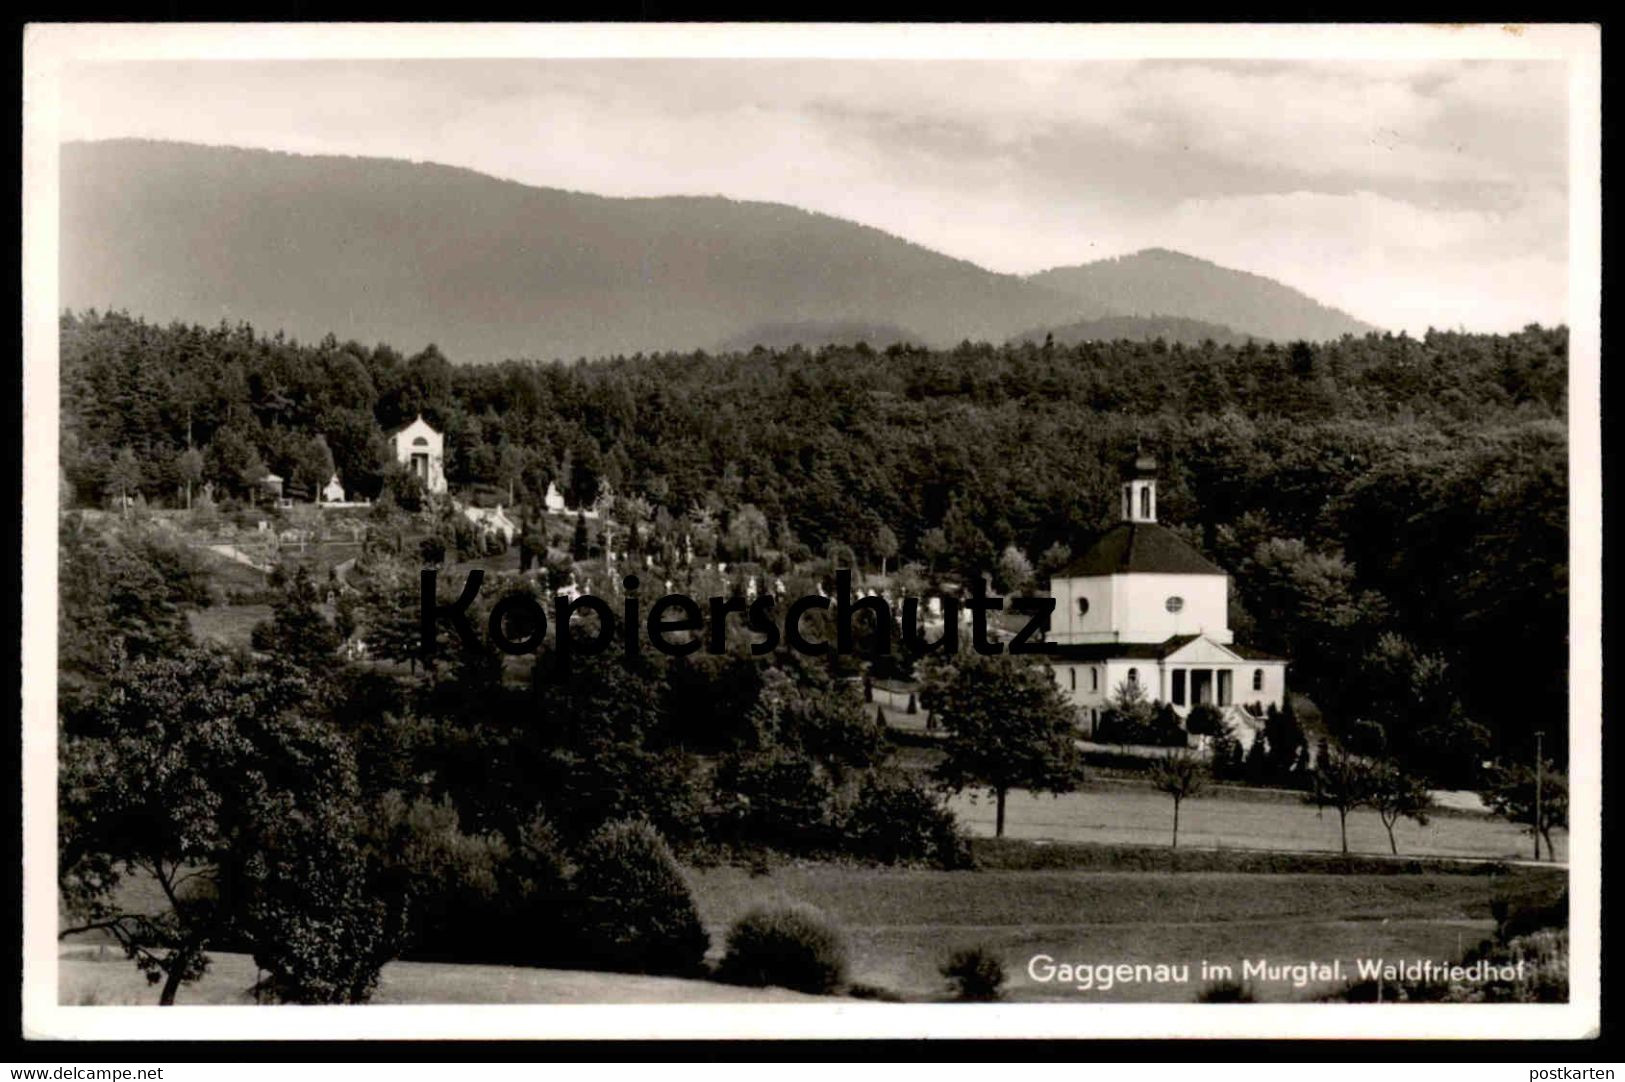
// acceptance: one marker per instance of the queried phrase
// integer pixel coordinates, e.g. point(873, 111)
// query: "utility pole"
point(1540, 763)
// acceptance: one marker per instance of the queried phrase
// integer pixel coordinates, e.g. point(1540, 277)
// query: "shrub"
point(1544, 977)
point(314, 925)
point(1515, 917)
point(1226, 991)
point(1227, 757)
point(319, 935)
point(1545, 958)
point(780, 798)
point(897, 820)
point(536, 895)
point(443, 884)
point(789, 946)
point(637, 913)
point(873, 992)
point(1205, 719)
point(974, 973)
point(628, 782)
point(1121, 727)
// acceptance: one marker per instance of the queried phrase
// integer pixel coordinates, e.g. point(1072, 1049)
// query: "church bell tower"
point(1140, 490)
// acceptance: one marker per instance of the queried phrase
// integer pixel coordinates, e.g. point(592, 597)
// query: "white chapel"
point(422, 450)
point(1142, 606)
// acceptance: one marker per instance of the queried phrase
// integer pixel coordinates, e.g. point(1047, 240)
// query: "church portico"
point(1173, 672)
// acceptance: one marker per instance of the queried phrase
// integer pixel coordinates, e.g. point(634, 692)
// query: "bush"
point(873, 992)
point(1544, 977)
point(636, 911)
point(1118, 728)
point(1226, 991)
point(444, 885)
point(316, 929)
point(789, 946)
point(1515, 917)
point(536, 895)
point(1545, 958)
point(1205, 719)
point(974, 973)
point(896, 820)
point(1229, 761)
point(779, 798)
point(623, 781)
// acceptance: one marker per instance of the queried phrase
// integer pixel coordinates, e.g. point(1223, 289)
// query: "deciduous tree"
point(202, 775)
point(1511, 795)
point(1007, 727)
point(1342, 782)
point(1396, 795)
point(1181, 774)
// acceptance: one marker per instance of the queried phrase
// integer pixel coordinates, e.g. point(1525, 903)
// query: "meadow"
point(99, 975)
point(1125, 813)
point(901, 923)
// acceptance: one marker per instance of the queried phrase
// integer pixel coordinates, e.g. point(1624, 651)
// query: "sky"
point(1408, 193)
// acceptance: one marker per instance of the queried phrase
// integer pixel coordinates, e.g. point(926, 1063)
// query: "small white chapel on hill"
point(422, 450)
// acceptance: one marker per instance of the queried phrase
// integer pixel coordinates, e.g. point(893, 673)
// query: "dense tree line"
point(1369, 487)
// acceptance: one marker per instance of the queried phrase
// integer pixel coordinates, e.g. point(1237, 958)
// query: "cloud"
point(1387, 260)
point(1381, 187)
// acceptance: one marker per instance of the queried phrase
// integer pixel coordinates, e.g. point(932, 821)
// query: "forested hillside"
point(1370, 487)
point(490, 269)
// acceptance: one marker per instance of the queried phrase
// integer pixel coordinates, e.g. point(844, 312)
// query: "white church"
point(1142, 606)
point(422, 450)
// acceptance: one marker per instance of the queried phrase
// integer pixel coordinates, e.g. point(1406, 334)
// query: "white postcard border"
point(48, 48)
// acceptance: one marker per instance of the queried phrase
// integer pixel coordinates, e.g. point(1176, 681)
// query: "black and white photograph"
point(811, 531)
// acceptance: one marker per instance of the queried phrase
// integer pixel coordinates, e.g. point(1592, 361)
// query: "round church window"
point(1083, 606)
point(1175, 604)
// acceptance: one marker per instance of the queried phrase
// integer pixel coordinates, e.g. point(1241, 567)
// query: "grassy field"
point(903, 923)
point(99, 975)
point(227, 625)
point(1128, 814)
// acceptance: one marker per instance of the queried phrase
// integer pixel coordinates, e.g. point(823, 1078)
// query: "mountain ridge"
point(1190, 287)
point(488, 268)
